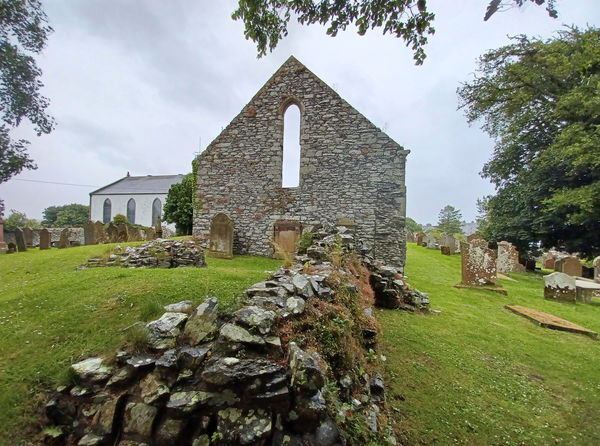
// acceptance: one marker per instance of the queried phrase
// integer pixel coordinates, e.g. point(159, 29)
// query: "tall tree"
point(539, 100)
point(18, 219)
point(68, 215)
point(413, 226)
point(266, 21)
point(23, 33)
point(449, 220)
point(178, 207)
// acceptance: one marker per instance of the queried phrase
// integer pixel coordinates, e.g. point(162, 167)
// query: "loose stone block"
point(20, 240)
point(561, 287)
point(572, 266)
point(221, 237)
point(44, 239)
point(478, 263)
point(508, 259)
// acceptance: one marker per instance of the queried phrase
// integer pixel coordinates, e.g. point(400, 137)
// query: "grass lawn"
point(52, 315)
point(479, 374)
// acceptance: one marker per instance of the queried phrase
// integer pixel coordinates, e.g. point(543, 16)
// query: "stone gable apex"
point(293, 64)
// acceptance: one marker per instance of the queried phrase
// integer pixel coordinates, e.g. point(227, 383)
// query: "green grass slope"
point(52, 315)
point(478, 374)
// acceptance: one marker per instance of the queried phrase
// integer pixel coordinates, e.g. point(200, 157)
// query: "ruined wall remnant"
point(348, 169)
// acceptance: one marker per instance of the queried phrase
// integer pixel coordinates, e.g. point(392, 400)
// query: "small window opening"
point(156, 211)
point(290, 171)
point(106, 211)
point(131, 211)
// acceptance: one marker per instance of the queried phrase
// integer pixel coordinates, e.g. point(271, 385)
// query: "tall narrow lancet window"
point(156, 211)
point(131, 210)
point(290, 172)
point(106, 211)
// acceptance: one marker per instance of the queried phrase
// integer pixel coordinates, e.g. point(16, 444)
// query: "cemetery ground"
point(52, 315)
point(478, 374)
point(473, 374)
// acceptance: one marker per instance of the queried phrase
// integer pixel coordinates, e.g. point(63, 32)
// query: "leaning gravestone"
point(89, 233)
point(112, 233)
point(478, 263)
point(221, 237)
point(28, 236)
point(560, 287)
point(571, 266)
point(597, 269)
point(100, 232)
point(508, 259)
point(20, 240)
point(64, 239)
point(3, 245)
point(44, 239)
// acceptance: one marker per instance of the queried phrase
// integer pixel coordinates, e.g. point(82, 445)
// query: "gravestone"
point(122, 233)
point(548, 260)
point(89, 233)
point(597, 269)
point(448, 244)
point(571, 266)
point(150, 233)
point(28, 236)
point(474, 236)
point(285, 236)
point(99, 232)
point(44, 239)
point(410, 237)
point(158, 230)
point(221, 237)
point(508, 259)
point(11, 248)
point(112, 233)
point(64, 239)
point(3, 245)
point(430, 241)
point(134, 235)
point(561, 287)
point(20, 240)
point(478, 263)
point(419, 238)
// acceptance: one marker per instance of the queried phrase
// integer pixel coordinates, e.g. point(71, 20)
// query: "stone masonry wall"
point(348, 168)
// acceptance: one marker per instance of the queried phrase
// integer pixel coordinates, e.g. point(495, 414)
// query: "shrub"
point(120, 219)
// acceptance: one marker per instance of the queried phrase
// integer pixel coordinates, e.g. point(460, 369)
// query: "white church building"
point(141, 199)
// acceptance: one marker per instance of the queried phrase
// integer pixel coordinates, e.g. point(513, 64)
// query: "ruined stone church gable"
point(348, 168)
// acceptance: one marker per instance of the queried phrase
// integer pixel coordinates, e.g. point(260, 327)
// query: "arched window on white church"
point(156, 211)
point(290, 170)
point(106, 211)
point(131, 211)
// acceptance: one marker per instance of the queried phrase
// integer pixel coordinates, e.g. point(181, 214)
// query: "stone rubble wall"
point(214, 378)
point(348, 169)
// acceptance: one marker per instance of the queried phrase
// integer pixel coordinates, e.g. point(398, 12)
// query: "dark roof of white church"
point(149, 184)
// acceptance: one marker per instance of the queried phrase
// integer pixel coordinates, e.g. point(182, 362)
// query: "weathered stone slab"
point(586, 289)
point(221, 237)
point(44, 239)
point(89, 233)
point(122, 233)
point(3, 244)
point(572, 266)
point(448, 244)
point(478, 264)
point(548, 320)
point(100, 232)
point(419, 238)
point(28, 236)
point(112, 233)
point(64, 239)
point(561, 287)
point(548, 260)
point(20, 240)
point(285, 237)
point(508, 259)
point(430, 241)
point(472, 237)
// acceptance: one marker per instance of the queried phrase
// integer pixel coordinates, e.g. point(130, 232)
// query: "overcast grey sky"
point(142, 86)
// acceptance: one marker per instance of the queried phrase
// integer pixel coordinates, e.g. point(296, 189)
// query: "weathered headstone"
point(448, 244)
point(478, 263)
point(112, 233)
point(158, 230)
point(64, 239)
point(221, 237)
point(20, 240)
point(560, 286)
point(150, 234)
point(419, 238)
point(430, 241)
point(28, 237)
point(99, 232)
point(597, 269)
point(474, 236)
point(571, 266)
point(548, 260)
point(410, 237)
point(122, 233)
point(508, 259)
point(11, 248)
point(285, 236)
point(133, 234)
point(3, 245)
point(89, 233)
point(44, 239)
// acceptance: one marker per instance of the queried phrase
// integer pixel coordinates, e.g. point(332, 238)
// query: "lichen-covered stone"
point(202, 322)
point(236, 334)
point(162, 333)
point(256, 318)
point(244, 427)
point(139, 418)
point(92, 369)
